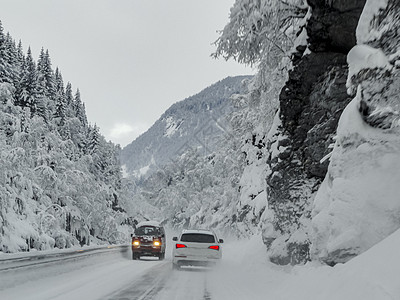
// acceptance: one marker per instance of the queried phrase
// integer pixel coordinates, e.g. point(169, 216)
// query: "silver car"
point(196, 248)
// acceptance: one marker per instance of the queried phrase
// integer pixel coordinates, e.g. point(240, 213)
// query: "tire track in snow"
point(146, 287)
point(163, 283)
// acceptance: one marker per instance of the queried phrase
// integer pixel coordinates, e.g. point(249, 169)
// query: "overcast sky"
point(131, 59)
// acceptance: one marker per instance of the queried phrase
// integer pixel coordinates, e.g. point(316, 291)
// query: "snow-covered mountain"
point(195, 122)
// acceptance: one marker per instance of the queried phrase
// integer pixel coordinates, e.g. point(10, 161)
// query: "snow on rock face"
point(358, 203)
point(365, 57)
point(311, 102)
point(371, 10)
point(171, 126)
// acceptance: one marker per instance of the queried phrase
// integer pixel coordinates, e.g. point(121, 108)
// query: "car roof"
point(202, 231)
point(149, 223)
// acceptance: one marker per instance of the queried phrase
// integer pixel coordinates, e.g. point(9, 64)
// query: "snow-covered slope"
point(192, 123)
point(59, 177)
point(358, 204)
point(370, 276)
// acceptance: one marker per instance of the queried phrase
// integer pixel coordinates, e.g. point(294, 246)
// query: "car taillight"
point(180, 246)
point(214, 247)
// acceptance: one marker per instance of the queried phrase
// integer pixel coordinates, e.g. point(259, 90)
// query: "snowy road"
point(244, 273)
point(112, 274)
point(100, 274)
point(161, 282)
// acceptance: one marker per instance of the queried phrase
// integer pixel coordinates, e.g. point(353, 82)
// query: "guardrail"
point(38, 258)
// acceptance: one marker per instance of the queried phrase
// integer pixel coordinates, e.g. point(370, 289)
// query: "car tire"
point(135, 256)
point(161, 256)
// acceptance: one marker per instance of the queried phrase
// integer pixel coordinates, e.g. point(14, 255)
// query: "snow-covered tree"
point(53, 193)
point(47, 76)
point(259, 30)
point(79, 108)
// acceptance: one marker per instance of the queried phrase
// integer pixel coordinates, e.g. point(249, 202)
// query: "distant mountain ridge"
point(194, 122)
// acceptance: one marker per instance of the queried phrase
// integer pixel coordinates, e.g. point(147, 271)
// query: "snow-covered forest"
point(59, 178)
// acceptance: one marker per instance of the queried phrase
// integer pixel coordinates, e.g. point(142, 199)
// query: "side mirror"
point(131, 235)
point(221, 241)
point(175, 238)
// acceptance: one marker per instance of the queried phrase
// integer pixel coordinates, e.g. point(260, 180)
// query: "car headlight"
point(135, 243)
point(156, 243)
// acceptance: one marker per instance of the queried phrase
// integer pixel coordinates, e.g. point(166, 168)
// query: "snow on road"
point(88, 278)
point(116, 276)
point(244, 273)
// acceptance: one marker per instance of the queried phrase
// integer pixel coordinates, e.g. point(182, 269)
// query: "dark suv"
point(148, 240)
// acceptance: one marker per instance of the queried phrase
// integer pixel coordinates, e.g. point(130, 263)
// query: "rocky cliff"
point(311, 103)
point(358, 203)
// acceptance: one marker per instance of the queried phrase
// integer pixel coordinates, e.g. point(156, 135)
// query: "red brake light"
point(180, 246)
point(214, 247)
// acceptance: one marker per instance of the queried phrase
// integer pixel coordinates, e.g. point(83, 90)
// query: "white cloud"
point(124, 133)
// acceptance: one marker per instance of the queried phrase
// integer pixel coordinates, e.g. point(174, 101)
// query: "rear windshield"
point(148, 230)
point(197, 238)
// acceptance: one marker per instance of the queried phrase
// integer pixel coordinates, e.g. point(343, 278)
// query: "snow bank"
point(245, 273)
point(370, 276)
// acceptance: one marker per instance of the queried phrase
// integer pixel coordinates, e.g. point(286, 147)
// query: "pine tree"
point(49, 77)
point(20, 54)
point(11, 51)
point(60, 112)
point(4, 65)
point(40, 95)
point(27, 89)
point(77, 103)
point(79, 108)
point(69, 101)
point(94, 140)
point(46, 75)
point(83, 114)
point(60, 109)
point(12, 59)
point(68, 94)
point(59, 83)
